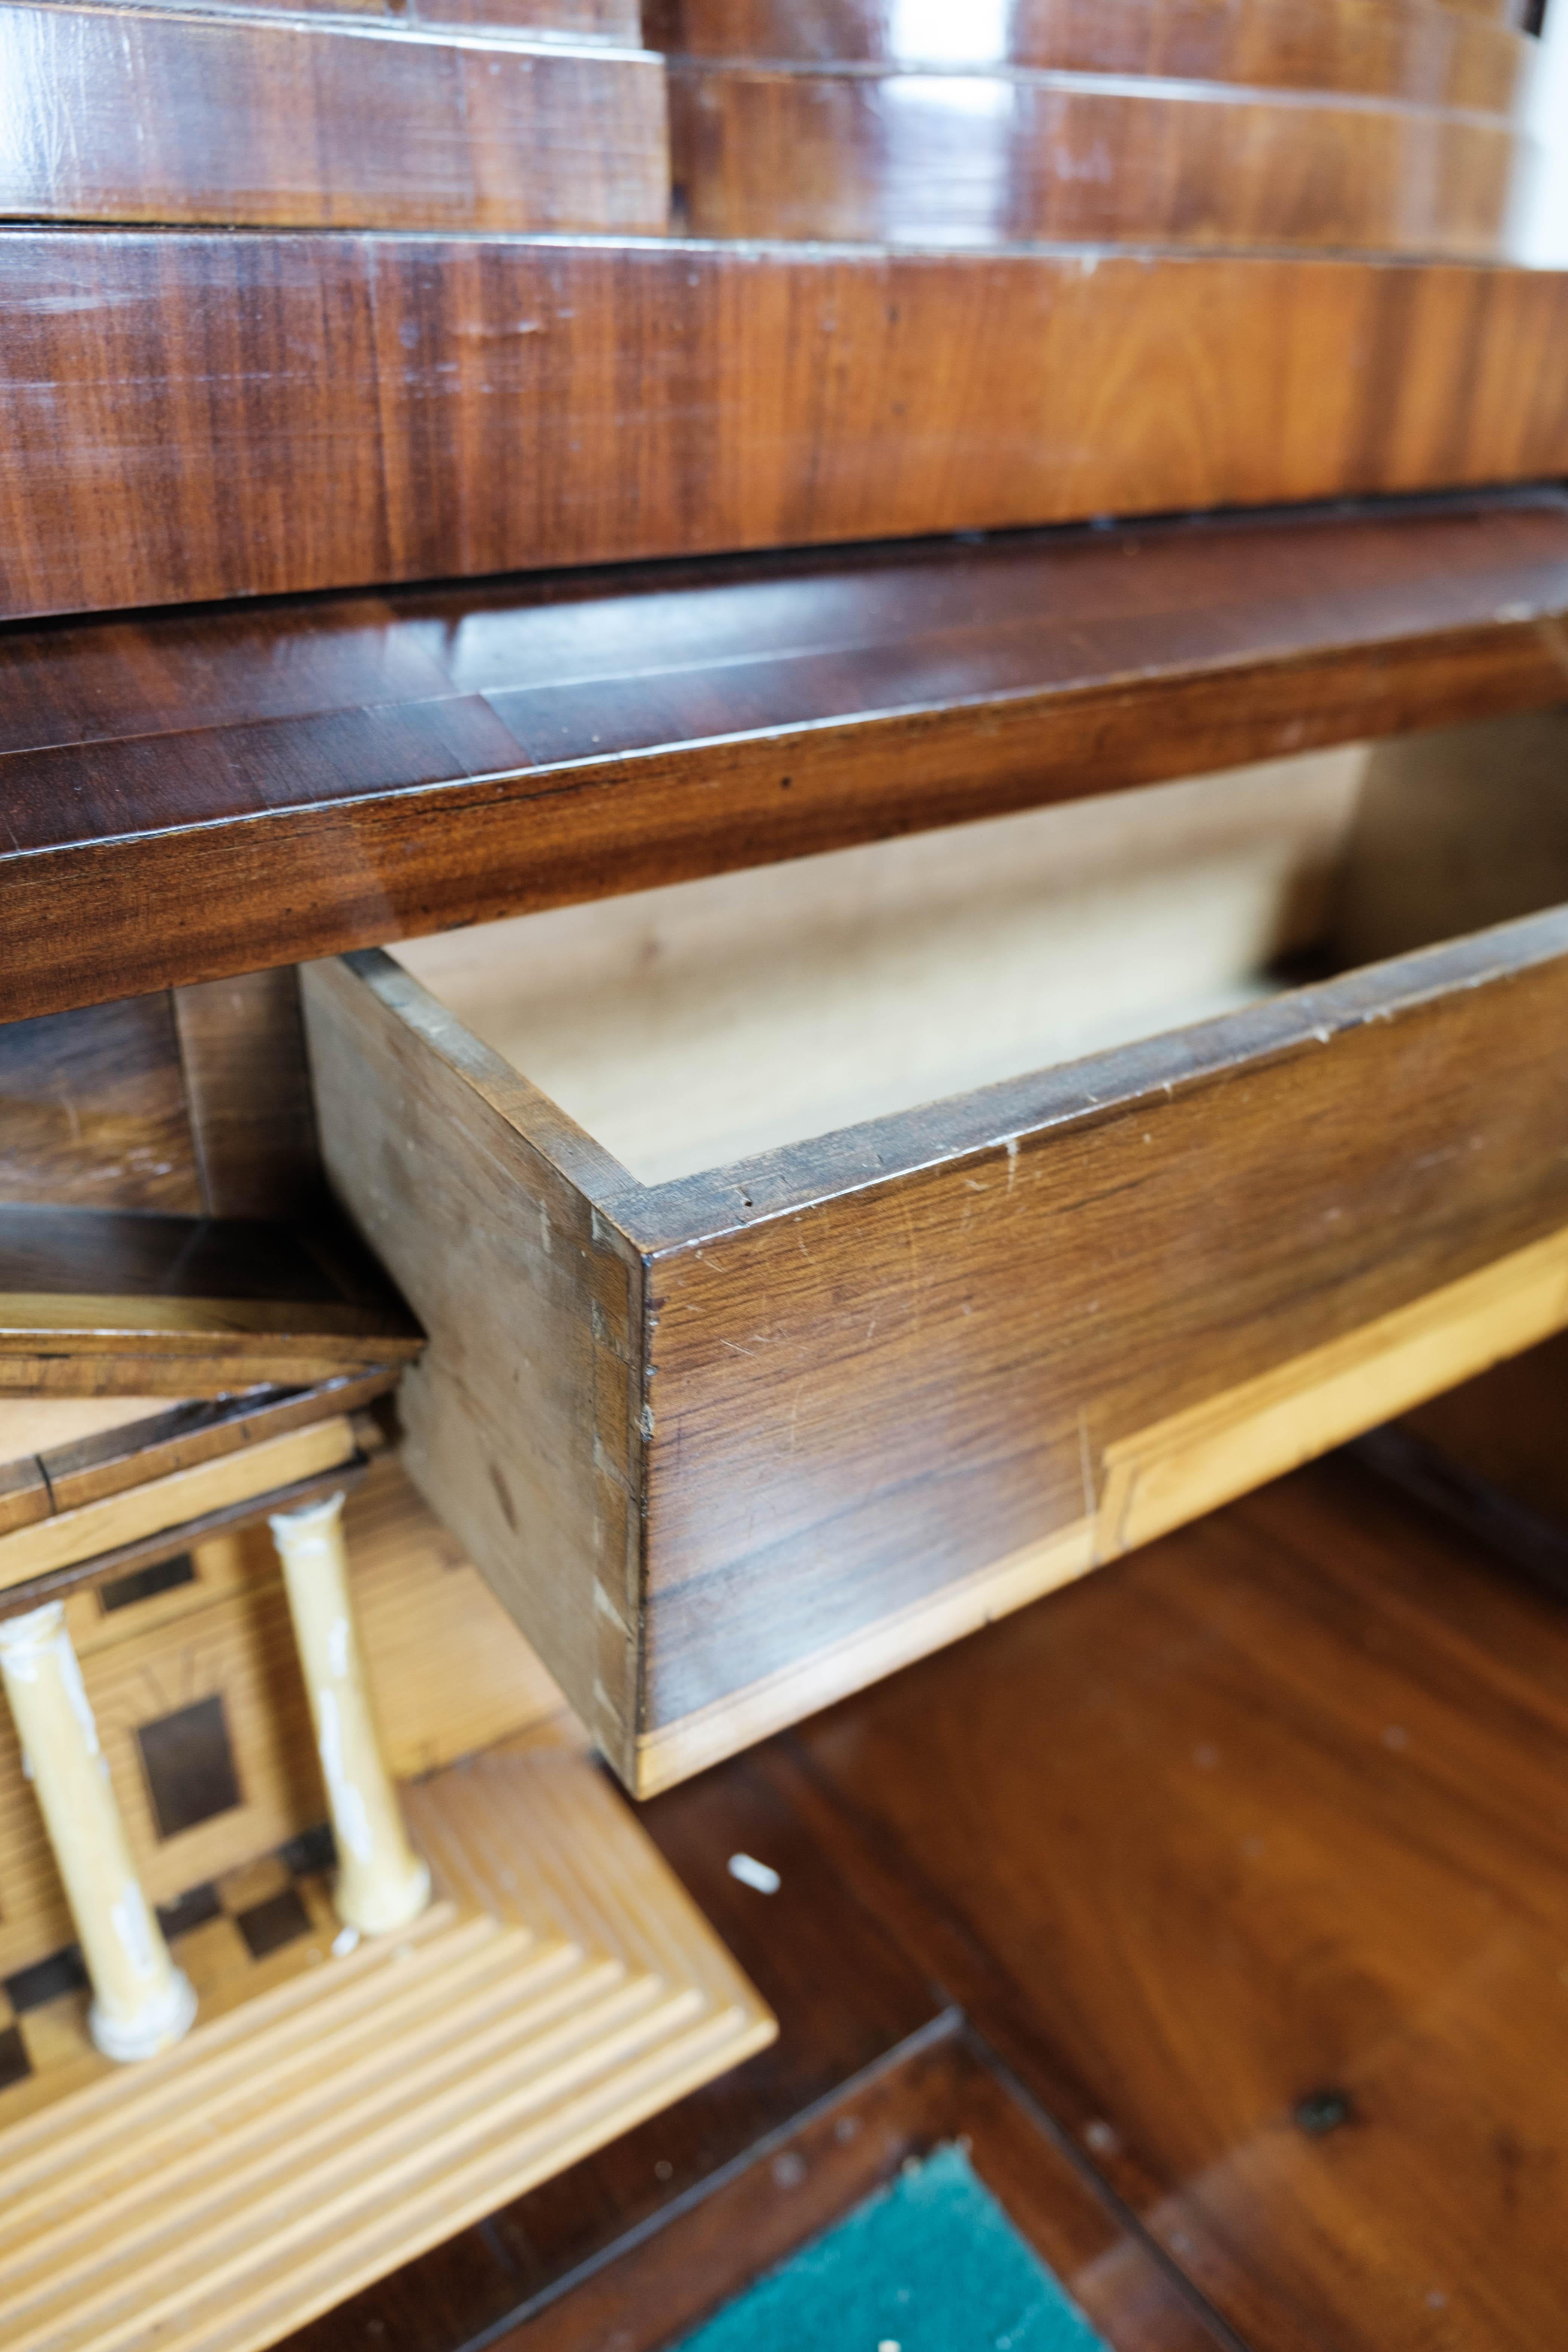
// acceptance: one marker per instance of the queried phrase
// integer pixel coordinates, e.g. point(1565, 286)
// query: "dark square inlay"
point(164, 1576)
point(312, 1850)
point(14, 2063)
point(189, 1766)
point(63, 1971)
point(191, 1909)
point(266, 1927)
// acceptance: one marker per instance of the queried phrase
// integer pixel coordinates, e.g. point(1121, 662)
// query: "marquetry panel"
point(449, 1670)
point(333, 2112)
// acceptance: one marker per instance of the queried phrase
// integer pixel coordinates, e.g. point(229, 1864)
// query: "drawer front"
point(734, 1444)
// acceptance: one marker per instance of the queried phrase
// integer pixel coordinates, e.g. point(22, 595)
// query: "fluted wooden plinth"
point(354, 2111)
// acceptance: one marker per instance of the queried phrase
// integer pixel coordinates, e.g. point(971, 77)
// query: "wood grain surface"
point(788, 1485)
point(448, 409)
point(153, 1444)
point(293, 781)
point(1503, 1431)
point(191, 1103)
point(978, 158)
point(164, 1231)
point(248, 1090)
point(336, 123)
point(95, 1114)
point(530, 1452)
point(616, 21)
point(1249, 1856)
point(1434, 56)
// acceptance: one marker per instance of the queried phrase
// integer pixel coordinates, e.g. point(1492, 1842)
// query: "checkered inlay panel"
point(215, 1930)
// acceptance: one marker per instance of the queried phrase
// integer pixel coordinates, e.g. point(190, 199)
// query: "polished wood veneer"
point(330, 124)
point(938, 159)
point(305, 778)
point(1268, 1814)
point(617, 21)
point(421, 408)
point(1431, 55)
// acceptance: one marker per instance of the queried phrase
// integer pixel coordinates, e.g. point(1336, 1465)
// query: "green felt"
point(931, 2264)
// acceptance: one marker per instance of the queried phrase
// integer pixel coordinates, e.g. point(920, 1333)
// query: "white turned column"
point(140, 2000)
point(382, 1882)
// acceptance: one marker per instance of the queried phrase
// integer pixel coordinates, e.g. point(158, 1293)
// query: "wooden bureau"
point(784, 846)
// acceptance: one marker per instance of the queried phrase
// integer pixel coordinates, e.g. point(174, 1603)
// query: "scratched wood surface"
point(446, 408)
point(312, 777)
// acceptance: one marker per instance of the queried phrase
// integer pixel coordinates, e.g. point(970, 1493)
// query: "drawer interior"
point(690, 1027)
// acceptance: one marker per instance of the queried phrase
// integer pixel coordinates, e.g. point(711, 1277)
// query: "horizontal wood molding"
point(448, 409)
point(138, 1440)
point(373, 769)
point(1414, 49)
point(100, 1303)
point(993, 159)
point(119, 1519)
point(334, 122)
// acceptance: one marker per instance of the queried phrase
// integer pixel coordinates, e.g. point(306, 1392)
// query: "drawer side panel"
point(523, 1428)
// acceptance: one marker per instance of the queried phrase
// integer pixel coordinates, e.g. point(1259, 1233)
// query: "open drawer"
point(821, 1260)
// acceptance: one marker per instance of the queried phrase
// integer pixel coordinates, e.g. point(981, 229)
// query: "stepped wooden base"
point(333, 2113)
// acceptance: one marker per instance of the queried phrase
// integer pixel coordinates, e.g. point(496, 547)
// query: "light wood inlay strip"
point(124, 1518)
point(112, 1320)
point(1166, 1475)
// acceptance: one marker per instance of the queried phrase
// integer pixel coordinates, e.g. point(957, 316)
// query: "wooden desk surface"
point(291, 780)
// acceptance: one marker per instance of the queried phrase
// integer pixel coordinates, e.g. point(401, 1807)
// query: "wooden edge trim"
point(82, 1575)
point(529, 1113)
point(1179, 1468)
point(687, 1212)
point(675, 1750)
point(1157, 1480)
point(116, 1520)
point(25, 1495)
point(113, 1319)
point(92, 1467)
point(209, 1377)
